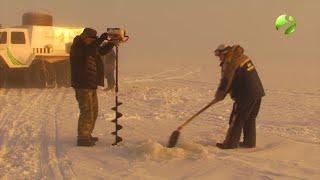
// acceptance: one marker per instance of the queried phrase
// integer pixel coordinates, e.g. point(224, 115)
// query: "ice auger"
point(117, 104)
point(117, 35)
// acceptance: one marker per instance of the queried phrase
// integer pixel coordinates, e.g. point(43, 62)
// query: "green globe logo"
point(286, 20)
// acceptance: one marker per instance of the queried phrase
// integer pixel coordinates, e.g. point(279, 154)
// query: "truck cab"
point(15, 47)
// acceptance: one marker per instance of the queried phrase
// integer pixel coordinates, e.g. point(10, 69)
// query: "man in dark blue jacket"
point(86, 75)
point(240, 79)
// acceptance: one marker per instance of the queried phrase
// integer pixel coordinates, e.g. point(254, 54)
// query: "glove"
point(220, 95)
point(104, 36)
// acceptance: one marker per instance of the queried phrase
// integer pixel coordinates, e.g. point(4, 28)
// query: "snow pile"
point(153, 150)
point(194, 148)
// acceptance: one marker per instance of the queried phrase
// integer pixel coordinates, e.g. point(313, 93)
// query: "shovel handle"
point(199, 112)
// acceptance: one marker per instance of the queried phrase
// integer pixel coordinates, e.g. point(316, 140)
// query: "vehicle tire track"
point(29, 144)
point(10, 109)
point(55, 163)
point(48, 162)
point(18, 145)
point(64, 162)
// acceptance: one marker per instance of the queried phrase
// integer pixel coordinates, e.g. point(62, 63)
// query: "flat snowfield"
point(38, 129)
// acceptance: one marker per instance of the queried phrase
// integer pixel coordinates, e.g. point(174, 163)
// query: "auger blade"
point(115, 108)
point(118, 139)
point(119, 115)
point(114, 121)
point(119, 127)
point(119, 103)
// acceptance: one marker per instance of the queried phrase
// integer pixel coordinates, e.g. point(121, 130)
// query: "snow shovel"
point(175, 134)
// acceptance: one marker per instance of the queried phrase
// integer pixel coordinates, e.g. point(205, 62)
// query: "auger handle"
point(197, 114)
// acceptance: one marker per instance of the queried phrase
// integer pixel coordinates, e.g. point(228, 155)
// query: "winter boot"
point(85, 141)
point(226, 146)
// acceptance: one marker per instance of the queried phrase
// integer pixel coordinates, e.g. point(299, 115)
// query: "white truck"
point(36, 54)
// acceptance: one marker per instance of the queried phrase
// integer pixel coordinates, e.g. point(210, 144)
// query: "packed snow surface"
point(38, 133)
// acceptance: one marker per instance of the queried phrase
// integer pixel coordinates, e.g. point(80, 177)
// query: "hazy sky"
point(173, 32)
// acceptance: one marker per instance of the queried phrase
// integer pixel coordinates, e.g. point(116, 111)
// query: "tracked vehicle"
point(36, 54)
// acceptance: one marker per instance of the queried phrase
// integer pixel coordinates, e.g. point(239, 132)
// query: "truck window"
point(18, 38)
point(3, 37)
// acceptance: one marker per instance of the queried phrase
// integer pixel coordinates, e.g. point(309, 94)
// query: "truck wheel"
point(37, 75)
point(37, 18)
point(14, 78)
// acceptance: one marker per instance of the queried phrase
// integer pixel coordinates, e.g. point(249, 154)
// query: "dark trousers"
point(243, 116)
point(88, 105)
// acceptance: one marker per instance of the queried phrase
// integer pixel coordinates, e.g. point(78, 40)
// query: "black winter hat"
point(89, 32)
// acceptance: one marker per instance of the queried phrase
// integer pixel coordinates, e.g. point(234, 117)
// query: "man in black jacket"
point(239, 78)
point(86, 75)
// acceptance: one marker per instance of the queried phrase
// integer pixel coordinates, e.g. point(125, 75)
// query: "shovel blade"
point(119, 127)
point(173, 139)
